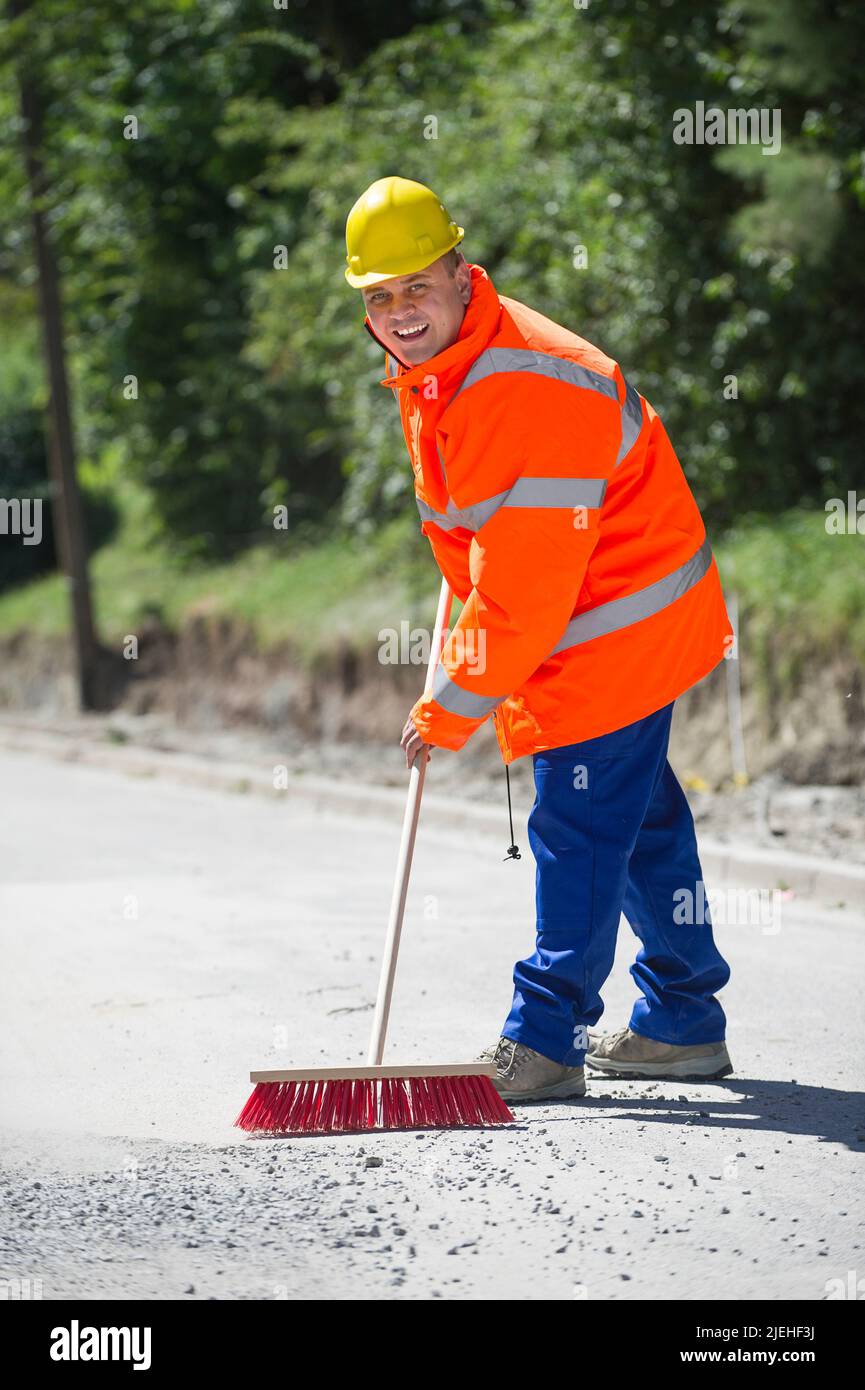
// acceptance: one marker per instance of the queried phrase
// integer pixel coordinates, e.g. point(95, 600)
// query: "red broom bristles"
point(339, 1107)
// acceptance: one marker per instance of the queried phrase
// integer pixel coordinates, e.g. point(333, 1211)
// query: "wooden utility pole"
point(67, 509)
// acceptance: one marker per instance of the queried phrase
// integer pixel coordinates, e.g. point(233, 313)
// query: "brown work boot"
point(523, 1074)
point(632, 1057)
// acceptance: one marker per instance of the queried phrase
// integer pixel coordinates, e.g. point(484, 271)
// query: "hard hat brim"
point(406, 267)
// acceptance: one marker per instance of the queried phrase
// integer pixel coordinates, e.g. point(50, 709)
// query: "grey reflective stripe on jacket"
point(539, 492)
point(633, 608)
point(632, 422)
point(470, 518)
point(595, 622)
point(561, 369)
point(456, 700)
point(543, 363)
point(605, 618)
point(526, 492)
point(556, 492)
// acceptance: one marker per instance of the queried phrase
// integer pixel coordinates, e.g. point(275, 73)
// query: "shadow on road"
point(832, 1116)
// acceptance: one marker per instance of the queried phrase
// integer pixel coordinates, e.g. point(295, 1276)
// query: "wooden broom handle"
point(406, 850)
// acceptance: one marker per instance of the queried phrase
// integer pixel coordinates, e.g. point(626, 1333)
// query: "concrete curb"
point(734, 863)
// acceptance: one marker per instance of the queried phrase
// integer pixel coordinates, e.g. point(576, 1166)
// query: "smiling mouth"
point(411, 335)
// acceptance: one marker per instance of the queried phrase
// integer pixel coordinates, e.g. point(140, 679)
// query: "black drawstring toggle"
point(513, 851)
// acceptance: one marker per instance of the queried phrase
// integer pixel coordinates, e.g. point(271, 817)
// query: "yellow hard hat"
point(395, 227)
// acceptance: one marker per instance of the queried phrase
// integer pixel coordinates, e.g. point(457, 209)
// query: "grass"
point(801, 591)
point(341, 591)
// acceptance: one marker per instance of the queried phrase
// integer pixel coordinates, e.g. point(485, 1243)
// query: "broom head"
point(328, 1100)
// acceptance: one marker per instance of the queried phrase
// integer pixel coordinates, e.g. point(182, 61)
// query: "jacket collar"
point(479, 326)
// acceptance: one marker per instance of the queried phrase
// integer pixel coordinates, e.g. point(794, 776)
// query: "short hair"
point(452, 259)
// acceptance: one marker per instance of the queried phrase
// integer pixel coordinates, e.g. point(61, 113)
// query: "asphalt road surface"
point(158, 941)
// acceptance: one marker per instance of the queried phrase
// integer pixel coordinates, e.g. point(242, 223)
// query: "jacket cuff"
point(440, 728)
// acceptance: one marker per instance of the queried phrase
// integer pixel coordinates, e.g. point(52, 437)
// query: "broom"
point(424, 1096)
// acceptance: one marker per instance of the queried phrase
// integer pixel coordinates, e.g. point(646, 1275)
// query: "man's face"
point(431, 300)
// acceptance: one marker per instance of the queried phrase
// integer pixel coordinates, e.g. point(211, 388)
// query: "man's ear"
point(464, 280)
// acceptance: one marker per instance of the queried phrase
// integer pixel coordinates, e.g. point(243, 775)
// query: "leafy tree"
point(153, 218)
point(546, 129)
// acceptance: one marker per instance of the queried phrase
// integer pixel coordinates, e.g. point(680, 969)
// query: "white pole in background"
point(734, 700)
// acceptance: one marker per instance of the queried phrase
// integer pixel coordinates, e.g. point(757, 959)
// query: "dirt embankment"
point(212, 675)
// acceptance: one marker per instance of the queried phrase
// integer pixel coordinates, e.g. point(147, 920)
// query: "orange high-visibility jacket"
point(560, 516)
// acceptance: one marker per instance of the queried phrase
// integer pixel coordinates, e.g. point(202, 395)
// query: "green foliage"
point(343, 589)
point(801, 591)
point(158, 207)
point(24, 470)
point(257, 130)
point(706, 265)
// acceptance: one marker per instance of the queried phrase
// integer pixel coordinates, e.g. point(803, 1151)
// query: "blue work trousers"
point(612, 832)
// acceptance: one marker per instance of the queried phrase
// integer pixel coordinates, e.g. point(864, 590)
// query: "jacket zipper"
point(500, 724)
point(387, 350)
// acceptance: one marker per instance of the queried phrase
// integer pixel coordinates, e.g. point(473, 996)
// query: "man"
point(560, 516)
